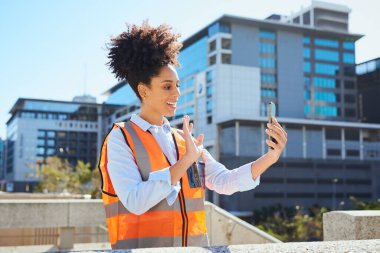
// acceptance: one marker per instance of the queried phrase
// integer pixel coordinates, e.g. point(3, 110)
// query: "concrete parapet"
point(223, 227)
point(299, 247)
point(351, 225)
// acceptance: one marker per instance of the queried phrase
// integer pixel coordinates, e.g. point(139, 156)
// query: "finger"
point(275, 123)
point(271, 144)
point(200, 139)
point(278, 137)
point(185, 127)
point(191, 127)
point(276, 129)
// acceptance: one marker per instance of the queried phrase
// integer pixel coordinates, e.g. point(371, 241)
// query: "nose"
point(177, 92)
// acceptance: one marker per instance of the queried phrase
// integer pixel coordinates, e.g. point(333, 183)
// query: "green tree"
point(58, 175)
point(291, 224)
point(96, 184)
point(362, 205)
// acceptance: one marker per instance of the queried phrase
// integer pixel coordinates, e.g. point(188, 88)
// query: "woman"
point(152, 173)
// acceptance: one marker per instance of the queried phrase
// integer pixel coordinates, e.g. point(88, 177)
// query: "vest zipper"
point(185, 220)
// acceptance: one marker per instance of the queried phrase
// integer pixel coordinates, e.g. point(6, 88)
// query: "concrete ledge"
point(351, 225)
point(299, 247)
point(51, 213)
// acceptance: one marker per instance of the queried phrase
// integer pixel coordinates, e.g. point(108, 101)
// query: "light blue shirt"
point(139, 196)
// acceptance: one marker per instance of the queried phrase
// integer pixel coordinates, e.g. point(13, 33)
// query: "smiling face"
point(160, 99)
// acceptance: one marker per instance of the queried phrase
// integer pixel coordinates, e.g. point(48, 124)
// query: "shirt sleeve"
point(224, 181)
point(136, 195)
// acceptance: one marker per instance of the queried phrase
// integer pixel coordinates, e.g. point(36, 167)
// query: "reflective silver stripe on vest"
point(195, 204)
point(162, 241)
point(142, 157)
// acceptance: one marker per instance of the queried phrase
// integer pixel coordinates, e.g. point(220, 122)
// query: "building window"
point(212, 60)
point(350, 45)
point(209, 106)
point(226, 58)
point(226, 43)
point(349, 112)
point(268, 63)
point(219, 27)
point(306, 109)
point(267, 48)
point(41, 151)
point(327, 111)
point(348, 98)
point(326, 69)
point(352, 153)
point(268, 93)
point(326, 55)
point(41, 133)
point(349, 84)
point(306, 53)
point(349, 58)
point(333, 134)
point(333, 152)
point(212, 46)
point(209, 76)
point(306, 94)
point(265, 34)
point(209, 120)
point(306, 67)
point(51, 143)
point(307, 81)
point(209, 90)
point(268, 78)
point(349, 71)
point(351, 134)
point(306, 40)
point(326, 43)
point(325, 82)
point(325, 96)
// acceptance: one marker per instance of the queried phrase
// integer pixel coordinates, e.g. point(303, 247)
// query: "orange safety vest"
point(182, 224)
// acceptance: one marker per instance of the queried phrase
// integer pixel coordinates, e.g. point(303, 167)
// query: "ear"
point(142, 89)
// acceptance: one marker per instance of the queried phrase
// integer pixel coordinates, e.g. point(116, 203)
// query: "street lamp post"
point(334, 181)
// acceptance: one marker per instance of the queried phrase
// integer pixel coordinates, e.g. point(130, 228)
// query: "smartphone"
point(271, 113)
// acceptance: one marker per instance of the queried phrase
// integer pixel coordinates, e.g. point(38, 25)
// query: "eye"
point(178, 85)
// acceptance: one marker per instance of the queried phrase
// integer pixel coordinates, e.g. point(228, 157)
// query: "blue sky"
point(45, 45)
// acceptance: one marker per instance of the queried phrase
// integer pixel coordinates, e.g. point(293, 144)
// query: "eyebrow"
point(169, 81)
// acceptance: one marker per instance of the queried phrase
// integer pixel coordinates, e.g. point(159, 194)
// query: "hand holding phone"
point(271, 113)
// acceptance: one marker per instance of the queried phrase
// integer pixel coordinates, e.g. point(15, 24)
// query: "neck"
point(151, 117)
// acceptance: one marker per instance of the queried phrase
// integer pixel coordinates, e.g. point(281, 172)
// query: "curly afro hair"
point(138, 54)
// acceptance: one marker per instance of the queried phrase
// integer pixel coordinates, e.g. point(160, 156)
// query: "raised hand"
point(193, 147)
point(278, 133)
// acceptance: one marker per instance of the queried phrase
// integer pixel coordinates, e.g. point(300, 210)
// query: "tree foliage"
point(58, 175)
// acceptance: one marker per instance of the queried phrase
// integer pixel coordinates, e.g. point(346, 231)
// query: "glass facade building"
point(326, 64)
point(40, 128)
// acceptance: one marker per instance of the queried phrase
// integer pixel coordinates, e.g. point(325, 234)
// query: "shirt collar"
point(145, 125)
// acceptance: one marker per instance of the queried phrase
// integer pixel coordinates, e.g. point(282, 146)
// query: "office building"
point(305, 63)
point(368, 78)
point(40, 128)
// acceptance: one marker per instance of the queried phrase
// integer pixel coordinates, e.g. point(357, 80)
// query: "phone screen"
point(271, 113)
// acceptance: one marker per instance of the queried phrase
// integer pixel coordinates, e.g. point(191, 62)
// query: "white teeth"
point(171, 103)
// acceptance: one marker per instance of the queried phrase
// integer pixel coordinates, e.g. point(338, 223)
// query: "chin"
point(169, 114)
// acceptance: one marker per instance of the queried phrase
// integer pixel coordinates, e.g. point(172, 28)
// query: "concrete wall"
point(223, 227)
point(290, 74)
point(351, 225)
